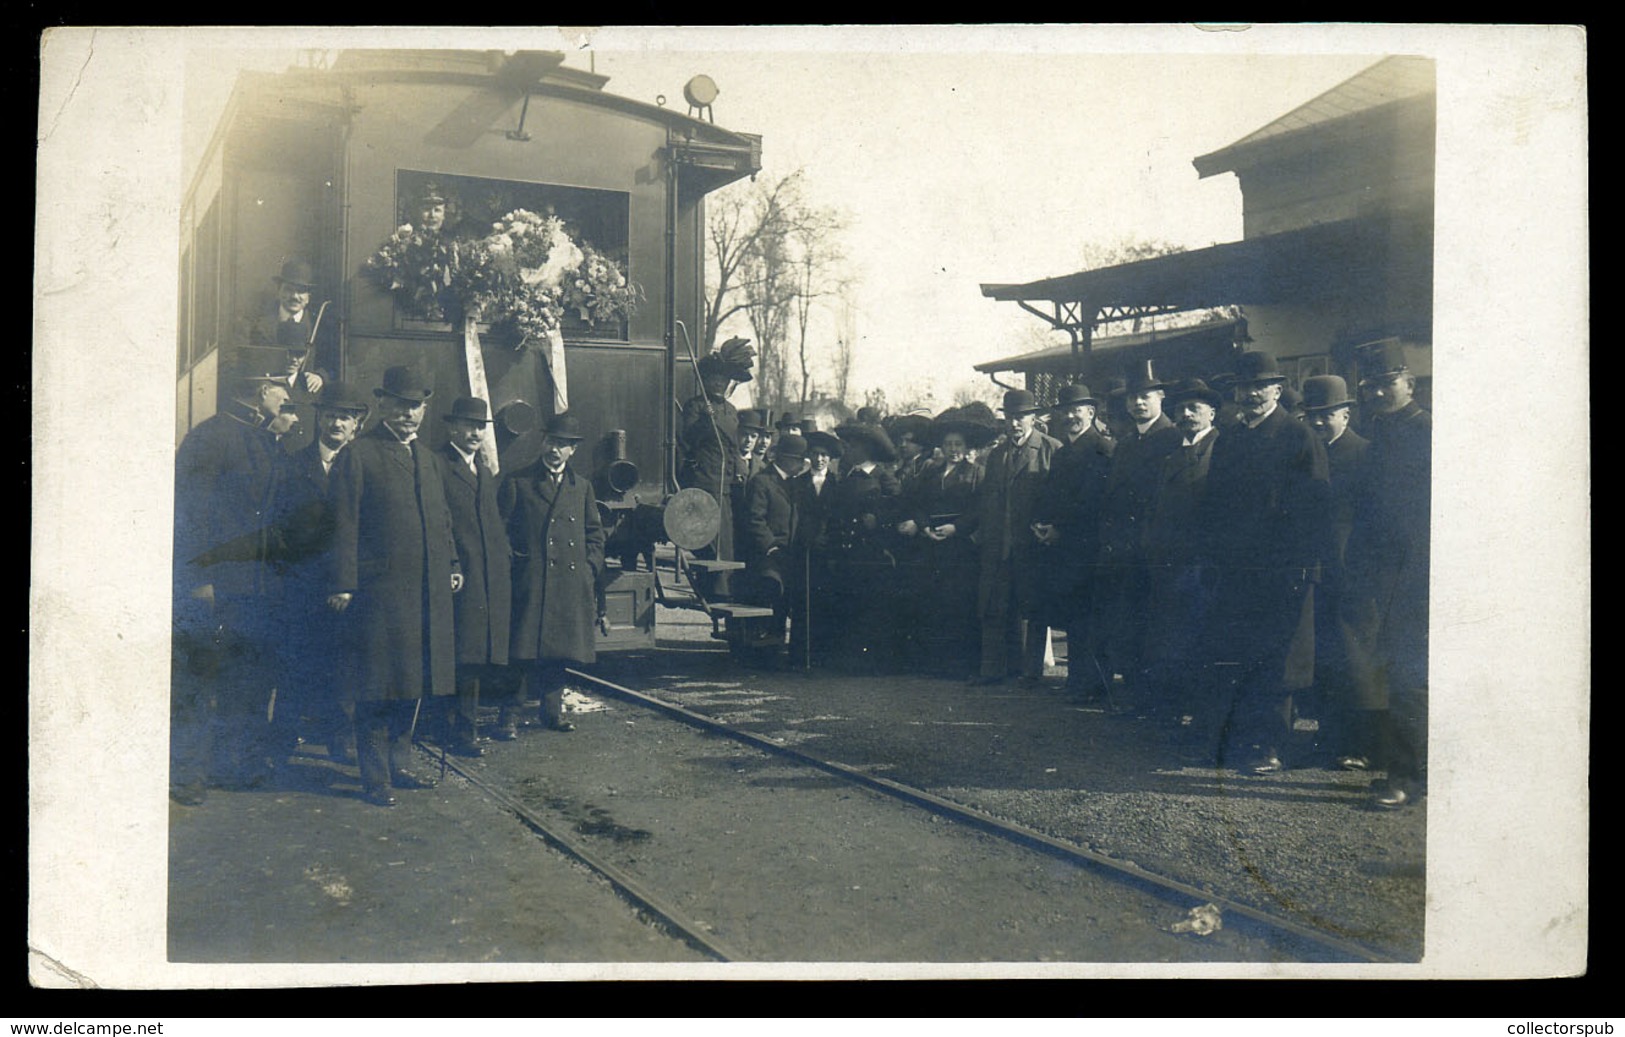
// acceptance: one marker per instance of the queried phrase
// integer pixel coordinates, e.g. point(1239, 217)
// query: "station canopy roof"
point(1060, 357)
point(1296, 265)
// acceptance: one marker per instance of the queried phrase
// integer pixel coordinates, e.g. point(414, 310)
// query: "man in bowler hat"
point(775, 559)
point(1007, 594)
point(481, 609)
point(292, 321)
point(1265, 529)
point(558, 550)
point(395, 572)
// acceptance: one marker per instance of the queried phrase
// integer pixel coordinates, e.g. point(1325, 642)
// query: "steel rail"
point(997, 826)
point(666, 914)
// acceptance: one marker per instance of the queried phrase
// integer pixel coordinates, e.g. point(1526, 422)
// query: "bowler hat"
point(792, 445)
point(1142, 377)
point(824, 441)
point(1383, 357)
point(564, 426)
point(752, 420)
point(872, 436)
point(1255, 367)
point(1020, 401)
point(788, 421)
point(1194, 389)
point(296, 272)
point(1325, 392)
point(337, 395)
point(470, 408)
point(1074, 393)
point(405, 383)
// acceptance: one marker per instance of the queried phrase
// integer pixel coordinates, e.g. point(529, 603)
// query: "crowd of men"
point(326, 594)
point(1230, 561)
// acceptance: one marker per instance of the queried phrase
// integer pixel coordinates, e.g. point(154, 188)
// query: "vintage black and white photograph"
point(956, 499)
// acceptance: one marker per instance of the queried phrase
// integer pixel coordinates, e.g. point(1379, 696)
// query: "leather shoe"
point(1394, 797)
point(379, 797)
point(408, 780)
point(1353, 763)
point(558, 725)
point(1270, 764)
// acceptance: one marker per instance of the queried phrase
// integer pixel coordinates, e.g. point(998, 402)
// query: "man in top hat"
point(1067, 520)
point(226, 472)
point(1346, 722)
point(395, 573)
point(1144, 439)
point(303, 546)
point(1387, 561)
point(709, 441)
point(1266, 525)
point(307, 331)
point(1177, 602)
point(558, 545)
point(481, 609)
point(774, 555)
point(1013, 638)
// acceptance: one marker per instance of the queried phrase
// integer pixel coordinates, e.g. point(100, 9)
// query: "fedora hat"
point(1194, 389)
point(1325, 392)
point(564, 426)
point(871, 436)
point(298, 273)
point(1075, 392)
point(1142, 377)
point(1383, 357)
point(405, 383)
point(1020, 401)
point(1256, 366)
point(828, 443)
point(470, 408)
point(752, 420)
point(337, 395)
point(792, 445)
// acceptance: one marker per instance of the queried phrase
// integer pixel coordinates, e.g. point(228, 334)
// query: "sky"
point(957, 157)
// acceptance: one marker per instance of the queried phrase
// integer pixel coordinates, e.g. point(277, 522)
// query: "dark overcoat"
point(393, 549)
point(709, 440)
point(226, 475)
point(267, 328)
point(483, 607)
point(1346, 463)
point(1388, 555)
point(302, 545)
point(1177, 601)
point(1265, 526)
point(558, 551)
point(1072, 499)
point(770, 517)
point(936, 491)
point(1007, 551)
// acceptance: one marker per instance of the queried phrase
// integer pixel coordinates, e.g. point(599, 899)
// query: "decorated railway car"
point(393, 175)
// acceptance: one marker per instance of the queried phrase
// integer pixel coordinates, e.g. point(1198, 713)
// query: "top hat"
point(1379, 358)
point(1142, 377)
point(824, 441)
point(296, 272)
point(564, 426)
point(751, 420)
point(1194, 389)
point(788, 421)
point(1257, 367)
point(337, 395)
point(1020, 401)
point(470, 408)
point(792, 445)
point(405, 383)
point(1074, 392)
point(871, 436)
point(1325, 392)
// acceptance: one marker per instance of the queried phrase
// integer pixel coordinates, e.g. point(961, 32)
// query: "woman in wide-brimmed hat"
point(862, 512)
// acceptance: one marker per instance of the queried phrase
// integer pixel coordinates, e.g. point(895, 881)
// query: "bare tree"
point(846, 333)
point(815, 241)
point(740, 223)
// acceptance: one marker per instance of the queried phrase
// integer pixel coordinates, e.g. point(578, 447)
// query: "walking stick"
point(806, 607)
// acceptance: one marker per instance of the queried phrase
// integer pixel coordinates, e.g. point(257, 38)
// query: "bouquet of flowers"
point(419, 267)
point(598, 289)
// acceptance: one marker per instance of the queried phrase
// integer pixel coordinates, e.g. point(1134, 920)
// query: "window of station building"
point(591, 217)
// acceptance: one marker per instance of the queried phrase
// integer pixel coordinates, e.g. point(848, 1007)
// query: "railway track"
point(671, 917)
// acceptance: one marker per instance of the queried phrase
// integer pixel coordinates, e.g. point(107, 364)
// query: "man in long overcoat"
point(1265, 523)
point(395, 571)
point(1013, 634)
point(775, 558)
point(226, 472)
point(1387, 564)
point(558, 550)
point(482, 608)
point(1068, 515)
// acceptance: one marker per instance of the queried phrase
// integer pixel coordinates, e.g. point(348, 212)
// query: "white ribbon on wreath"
point(478, 387)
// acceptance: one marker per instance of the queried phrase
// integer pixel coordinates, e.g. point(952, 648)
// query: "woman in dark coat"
point(558, 548)
point(941, 580)
point(863, 512)
point(811, 626)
